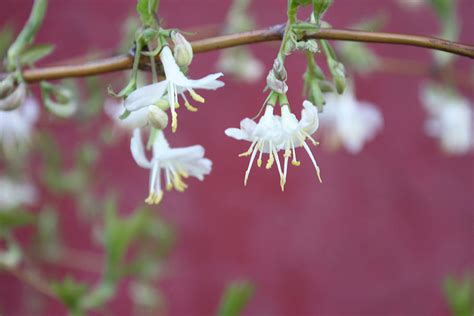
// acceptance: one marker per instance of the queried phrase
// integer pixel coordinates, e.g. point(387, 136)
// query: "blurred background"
point(377, 237)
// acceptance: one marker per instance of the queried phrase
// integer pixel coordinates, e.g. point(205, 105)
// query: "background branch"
point(273, 33)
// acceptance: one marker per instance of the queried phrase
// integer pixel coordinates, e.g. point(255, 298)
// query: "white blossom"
point(350, 122)
point(175, 84)
point(15, 193)
point(274, 133)
point(16, 127)
point(451, 120)
point(176, 164)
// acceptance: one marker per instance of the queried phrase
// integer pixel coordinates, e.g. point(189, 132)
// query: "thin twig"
point(273, 33)
point(33, 280)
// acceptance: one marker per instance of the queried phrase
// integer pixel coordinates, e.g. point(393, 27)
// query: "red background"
point(377, 237)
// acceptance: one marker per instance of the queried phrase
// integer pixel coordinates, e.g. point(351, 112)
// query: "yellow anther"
point(169, 186)
point(179, 184)
point(270, 161)
point(174, 121)
point(177, 105)
point(196, 97)
point(190, 107)
point(158, 198)
point(259, 162)
point(296, 163)
point(247, 153)
point(150, 198)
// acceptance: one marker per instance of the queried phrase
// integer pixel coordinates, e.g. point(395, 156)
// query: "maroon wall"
point(377, 237)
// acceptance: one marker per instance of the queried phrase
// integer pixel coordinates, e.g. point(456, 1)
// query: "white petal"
point(146, 95)
point(174, 74)
point(309, 118)
point(138, 150)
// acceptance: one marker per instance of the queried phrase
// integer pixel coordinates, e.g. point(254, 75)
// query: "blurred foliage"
point(460, 295)
point(70, 293)
point(6, 38)
point(235, 298)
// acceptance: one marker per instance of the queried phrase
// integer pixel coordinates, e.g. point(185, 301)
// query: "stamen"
point(271, 159)
point(247, 173)
point(249, 151)
point(174, 121)
point(313, 160)
point(196, 97)
point(259, 161)
point(188, 105)
point(282, 178)
point(315, 143)
point(294, 161)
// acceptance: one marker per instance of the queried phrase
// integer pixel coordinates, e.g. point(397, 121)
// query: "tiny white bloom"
point(265, 137)
point(175, 84)
point(15, 193)
point(176, 163)
point(350, 122)
point(240, 63)
point(16, 127)
point(295, 135)
point(451, 120)
point(149, 115)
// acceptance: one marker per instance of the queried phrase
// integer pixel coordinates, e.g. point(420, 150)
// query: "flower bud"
point(276, 84)
point(338, 73)
point(157, 117)
point(11, 99)
point(182, 51)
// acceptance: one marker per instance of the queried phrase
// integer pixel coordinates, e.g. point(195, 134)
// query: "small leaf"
point(15, 218)
point(35, 53)
point(70, 293)
point(235, 298)
point(147, 10)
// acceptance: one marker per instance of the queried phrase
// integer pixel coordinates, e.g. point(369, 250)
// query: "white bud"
point(10, 100)
point(182, 51)
point(157, 117)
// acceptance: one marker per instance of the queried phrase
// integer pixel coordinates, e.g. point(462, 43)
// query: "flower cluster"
point(274, 133)
point(147, 106)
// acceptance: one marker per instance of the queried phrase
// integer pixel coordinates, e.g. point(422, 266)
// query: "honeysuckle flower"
point(295, 135)
point(175, 84)
point(11, 96)
point(149, 115)
point(240, 63)
point(16, 127)
point(451, 120)
point(350, 122)
point(176, 164)
point(15, 193)
point(266, 136)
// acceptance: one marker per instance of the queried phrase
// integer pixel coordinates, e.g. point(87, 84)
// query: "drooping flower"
point(176, 164)
point(266, 136)
point(16, 127)
point(451, 120)
point(350, 122)
point(149, 115)
point(240, 63)
point(15, 193)
point(175, 84)
point(296, 133)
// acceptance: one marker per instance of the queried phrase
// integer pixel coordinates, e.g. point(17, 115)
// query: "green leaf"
point(235, 298)
point(35, 53)
point(146, 9)
point(15, 218)
point(70, 293)
point(6, 38)
point(119, 234)
point(460, 295)
point(28, 32)
point(48, 238)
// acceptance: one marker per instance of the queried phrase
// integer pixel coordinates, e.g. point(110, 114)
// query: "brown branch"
point(273, 33)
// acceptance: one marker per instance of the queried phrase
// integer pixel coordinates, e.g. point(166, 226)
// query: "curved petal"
point(309, 118)
point(237, 134)
point(138, 151)
point(173, 73)
point(146, 95)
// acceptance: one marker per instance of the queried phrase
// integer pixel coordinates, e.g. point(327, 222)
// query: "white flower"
point(15, 193)
point(296, 132)
point(274, 133)
point(240, 63)
point(148, 115)
point(266, 137)
point(176, 163)
point(350, 122)
point(175, 83)
point(451, 120)
point(16, 127)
